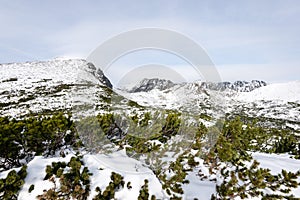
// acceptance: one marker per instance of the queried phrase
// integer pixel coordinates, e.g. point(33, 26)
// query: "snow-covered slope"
point(190, 97)
point(280, 101)
point(133, 171)
point(24, 75)
point(187, 97)
point(150, 84)
point(278, 91)
point(275, 102)
point(238, 86)
point(34, 87)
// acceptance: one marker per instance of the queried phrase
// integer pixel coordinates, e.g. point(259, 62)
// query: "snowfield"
point(101, 166)
point(133, 171)
point(289, 92)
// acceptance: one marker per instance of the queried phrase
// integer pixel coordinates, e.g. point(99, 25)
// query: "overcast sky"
point(245, 39)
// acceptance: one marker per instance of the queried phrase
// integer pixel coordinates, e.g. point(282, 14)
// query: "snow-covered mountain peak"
point(239, 86)
point(277, 91)
point(77, 86)
point(36, 86)
point(64, 70)
point(154, 83)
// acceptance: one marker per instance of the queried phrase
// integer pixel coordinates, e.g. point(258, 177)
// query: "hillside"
point(66, 132)
point(289, 92)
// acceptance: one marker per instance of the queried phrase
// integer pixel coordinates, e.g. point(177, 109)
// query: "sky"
point(254, 39)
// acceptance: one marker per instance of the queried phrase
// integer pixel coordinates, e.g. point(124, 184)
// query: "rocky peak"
point(98, 73)
point(239, 86)
point(149, 84)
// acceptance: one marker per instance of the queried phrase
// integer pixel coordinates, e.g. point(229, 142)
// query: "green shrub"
point(171, 127)
point(31, 188)
point(10, 186)
point(24, 138)
point(233, 144)
point(74, 181)
point(254, 181)
point(145, 121)
point(144, 192)
point(116, 184)
point(285, 144)
point(110, 127)
point(233, 150)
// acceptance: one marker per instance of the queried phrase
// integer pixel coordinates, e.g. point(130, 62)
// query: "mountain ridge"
point(147, 84)
point(166, 110)
point(43, 85)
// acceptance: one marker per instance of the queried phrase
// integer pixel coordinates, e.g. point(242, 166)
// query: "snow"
point(270, 101)
point(201, 189)
point(133, 171)
point(277, 162)
point(184, 97)
point(278, 91)
point(100, 166)
point(35, 175)
point(36, 86)
point(119, 158)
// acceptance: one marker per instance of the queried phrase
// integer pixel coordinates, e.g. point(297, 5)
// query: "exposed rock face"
point(149, 84)
point(98, 73)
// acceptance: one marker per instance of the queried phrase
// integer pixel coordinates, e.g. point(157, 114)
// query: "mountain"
point(277, 102)
point(169, 140)
point(278, 91)
point(276, 105)
point(240, 86)
point(193, 97)
point(149, 84)
point(98, 73)
point(35, 87)
point(54, 71)
point(77, 86)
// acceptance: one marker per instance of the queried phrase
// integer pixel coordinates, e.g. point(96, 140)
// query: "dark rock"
point(98, 73)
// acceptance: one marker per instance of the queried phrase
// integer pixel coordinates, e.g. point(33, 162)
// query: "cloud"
point(254, 33)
